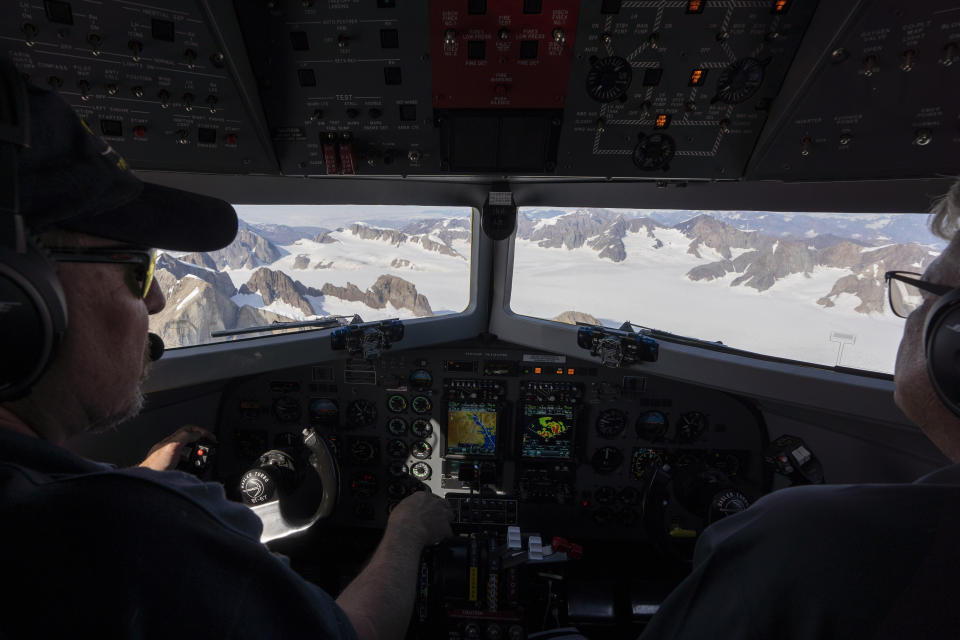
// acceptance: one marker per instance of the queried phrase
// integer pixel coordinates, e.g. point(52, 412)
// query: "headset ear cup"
point(33, 318)
point(941, 341)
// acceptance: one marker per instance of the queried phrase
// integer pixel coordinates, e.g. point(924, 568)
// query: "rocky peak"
point(248, 250)
point(365, 232)
point(180, 269)
point(719, 236)
point(397, 291)
point(276, 285)
point(576, 317)
point(199, 259)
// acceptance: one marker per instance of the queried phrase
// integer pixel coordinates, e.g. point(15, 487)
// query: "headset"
point(941, 347)
point(33, 309)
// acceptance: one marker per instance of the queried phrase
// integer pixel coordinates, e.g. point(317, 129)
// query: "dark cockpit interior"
point(583, 456)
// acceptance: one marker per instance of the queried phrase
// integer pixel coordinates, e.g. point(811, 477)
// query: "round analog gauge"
point(397, 403)
point(286, 409)
point(739, 81)
point(397, 448)
point(397, 469)
point(645, 462)
point(609, 78)
point(611, 423)
point(421, 449)
point(652, 425)
point(727, 463)
point(421, 380)
point(654, 152)
point(421, 404)
point(397, 426)
point(629, 495)
point(362, 451)
point(606, 459)
point(691, 426)
point(324, 412)
point(361, 413)
point(604, 495)
point(421, 471)
point(396, 490)
point(363, 484)
point(726, 503)
point(421, 428)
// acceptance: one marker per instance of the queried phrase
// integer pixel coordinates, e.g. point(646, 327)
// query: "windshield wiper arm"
point(276, 325)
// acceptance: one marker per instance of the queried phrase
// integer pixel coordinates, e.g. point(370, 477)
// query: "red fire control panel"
point(502, 53)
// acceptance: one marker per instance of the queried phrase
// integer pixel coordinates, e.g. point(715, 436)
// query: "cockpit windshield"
point(802, 286)
point(293, 264)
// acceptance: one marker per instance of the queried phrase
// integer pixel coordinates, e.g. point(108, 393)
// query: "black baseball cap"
point(71, 178)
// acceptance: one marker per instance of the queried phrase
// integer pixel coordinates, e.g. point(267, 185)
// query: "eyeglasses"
point(905, 291)
point(144, 260)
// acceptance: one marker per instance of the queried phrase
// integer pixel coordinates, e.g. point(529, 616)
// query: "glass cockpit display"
point(547, 431)
point(472, 428)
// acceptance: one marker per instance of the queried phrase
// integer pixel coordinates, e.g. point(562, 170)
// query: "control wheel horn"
point(290, 492)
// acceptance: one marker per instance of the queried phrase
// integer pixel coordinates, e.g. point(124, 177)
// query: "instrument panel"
point(511, 437)
point(683, 90)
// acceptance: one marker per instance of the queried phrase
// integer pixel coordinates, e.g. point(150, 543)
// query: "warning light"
point(697, 77)
point(559, 371)
point(662, 121)
point(696, 6)
point(781, 6)
point(571, 372)
point(537, 370)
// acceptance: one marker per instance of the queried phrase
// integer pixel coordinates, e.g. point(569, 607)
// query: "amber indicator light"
point(697, 77)
point(696, 6)
point(781, 6)
point(662, 121)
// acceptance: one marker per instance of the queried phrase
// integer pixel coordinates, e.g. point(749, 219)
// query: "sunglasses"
point(144, 261)
point(905, 291)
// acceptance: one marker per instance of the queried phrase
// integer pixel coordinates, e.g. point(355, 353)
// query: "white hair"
point(945, 213)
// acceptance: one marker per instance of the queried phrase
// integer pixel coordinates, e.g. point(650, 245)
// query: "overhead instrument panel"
point(644, 89)
point(500, 70)
point(676, 89)
point(881, 100)
point(345, 85)
point(167, 86)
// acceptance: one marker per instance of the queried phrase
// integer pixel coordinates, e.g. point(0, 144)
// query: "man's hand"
point(165, 455)
point(421, 517)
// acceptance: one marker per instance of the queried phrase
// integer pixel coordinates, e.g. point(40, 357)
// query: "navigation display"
point(547, 431)
point(471, 428)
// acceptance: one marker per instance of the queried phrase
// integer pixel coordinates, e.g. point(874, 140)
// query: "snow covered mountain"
point(278, 273)
point(740, 277)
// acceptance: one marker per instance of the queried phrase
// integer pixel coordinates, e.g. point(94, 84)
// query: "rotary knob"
point(274, 474)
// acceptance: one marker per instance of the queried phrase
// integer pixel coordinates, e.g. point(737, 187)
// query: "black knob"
point(274, 475)
point(258, 486)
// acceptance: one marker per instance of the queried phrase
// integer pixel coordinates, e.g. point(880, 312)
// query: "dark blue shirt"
point(91, 551)
point(835, 561)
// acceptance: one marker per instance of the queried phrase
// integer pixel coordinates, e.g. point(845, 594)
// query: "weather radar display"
point(472, 428)
point(547, 431)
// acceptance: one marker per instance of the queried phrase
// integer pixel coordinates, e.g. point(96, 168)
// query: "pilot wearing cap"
point(92, 550)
